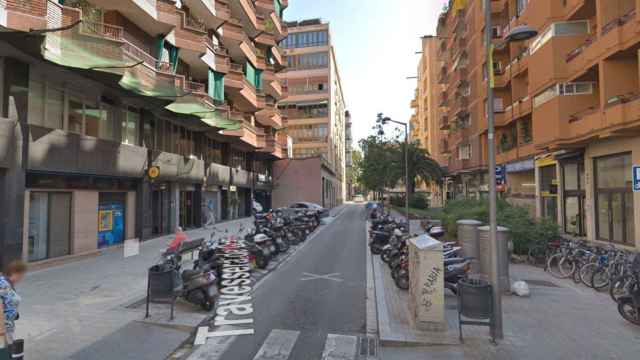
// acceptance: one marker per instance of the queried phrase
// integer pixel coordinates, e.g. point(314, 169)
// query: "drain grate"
point(542, 283)
point(368, 347)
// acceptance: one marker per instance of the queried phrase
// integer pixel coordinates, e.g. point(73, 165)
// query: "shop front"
point(547, 182)
point(521, 184)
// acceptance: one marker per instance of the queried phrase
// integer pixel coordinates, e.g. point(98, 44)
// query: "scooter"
point(198, 285)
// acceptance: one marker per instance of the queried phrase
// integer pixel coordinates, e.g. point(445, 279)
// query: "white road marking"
point(340, 347)
point(278, 345)
point(332, 277)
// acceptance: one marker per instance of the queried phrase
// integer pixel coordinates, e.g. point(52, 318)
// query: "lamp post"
point(384, 121)
point(519, 33)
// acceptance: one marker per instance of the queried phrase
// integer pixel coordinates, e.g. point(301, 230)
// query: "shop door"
point(187, 210)
point(111, 219)
point(224, 205)
point(49, 225)
point(160, 210)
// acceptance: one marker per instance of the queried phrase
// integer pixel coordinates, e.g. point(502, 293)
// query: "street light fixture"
point(518, 33)
point(384, 121)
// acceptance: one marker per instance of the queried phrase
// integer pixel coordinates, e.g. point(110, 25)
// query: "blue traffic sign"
point(636, 178)
point(501, 175)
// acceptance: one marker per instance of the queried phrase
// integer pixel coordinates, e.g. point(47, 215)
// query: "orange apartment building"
point(567, 110)
point(126, 119)
point(315, 108)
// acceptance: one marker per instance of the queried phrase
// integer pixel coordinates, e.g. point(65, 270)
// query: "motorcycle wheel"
point(621, 286)
point(284, 247)
point(402, 279)
point(628, 311)
point(375, 249)
point(262, 261)
point(302, 237)
point(207, 303)
point(293, 240)
point(386, 255)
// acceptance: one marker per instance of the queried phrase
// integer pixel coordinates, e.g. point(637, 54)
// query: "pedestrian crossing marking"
point(278, 345)
point(332, 277)
point(340, 347)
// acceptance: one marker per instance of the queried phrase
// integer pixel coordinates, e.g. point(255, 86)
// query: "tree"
point(421, 166)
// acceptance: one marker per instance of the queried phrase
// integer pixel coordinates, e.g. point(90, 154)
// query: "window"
point(568, 89)
point(108, 122)
point(130, 126)
point(305, 39)
point(464, 152)
point(614, 199)
point(308, 61)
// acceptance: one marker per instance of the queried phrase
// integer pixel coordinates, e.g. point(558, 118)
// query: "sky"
point(375, 43)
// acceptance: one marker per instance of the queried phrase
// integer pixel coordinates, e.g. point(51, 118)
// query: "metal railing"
point(112, 32)
point(136, 52)
point(195, 87)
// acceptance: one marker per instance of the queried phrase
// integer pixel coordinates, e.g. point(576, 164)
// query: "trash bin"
point(503, 255)
point(475, 304)
point(468, 240)
point(163, 284)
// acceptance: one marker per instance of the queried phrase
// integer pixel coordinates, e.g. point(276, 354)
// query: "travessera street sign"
point(636, 178)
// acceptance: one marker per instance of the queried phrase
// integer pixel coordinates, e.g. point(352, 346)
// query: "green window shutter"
point(278, 6)
point(258, 79)
point(173, 57)
point(218, 93)
point(250, 73)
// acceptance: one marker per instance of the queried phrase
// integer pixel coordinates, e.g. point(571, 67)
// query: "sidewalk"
point(96, 306)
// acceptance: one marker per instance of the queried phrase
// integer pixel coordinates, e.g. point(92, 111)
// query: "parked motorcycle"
point(198, 285)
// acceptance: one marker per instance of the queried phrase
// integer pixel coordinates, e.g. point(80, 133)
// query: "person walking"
point(10, 300)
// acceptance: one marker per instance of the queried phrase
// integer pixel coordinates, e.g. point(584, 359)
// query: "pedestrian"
point(10, 300)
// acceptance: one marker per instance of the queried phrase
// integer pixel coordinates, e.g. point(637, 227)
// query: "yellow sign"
point(105, 220)
point(459, 5)
point(545, 162)
point(153, 172)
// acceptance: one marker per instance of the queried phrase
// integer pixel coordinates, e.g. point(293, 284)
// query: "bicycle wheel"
point(586, 271)
point(622, 285)
point(600, 279)
point(554, 265)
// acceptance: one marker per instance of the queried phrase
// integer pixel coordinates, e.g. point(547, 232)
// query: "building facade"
point(315, 108)
point(425, 127)
point(567, 110)
point(127, 119)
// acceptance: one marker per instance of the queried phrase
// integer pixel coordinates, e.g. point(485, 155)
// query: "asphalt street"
point(313, 306)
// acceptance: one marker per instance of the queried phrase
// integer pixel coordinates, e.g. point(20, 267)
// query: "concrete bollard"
point(503, 236)
point(426, 287)
point(468, 238)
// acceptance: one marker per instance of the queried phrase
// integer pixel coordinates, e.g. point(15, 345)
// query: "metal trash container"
point(475, 303)
point(503, 255)
point(163, 284)
point(468, 240)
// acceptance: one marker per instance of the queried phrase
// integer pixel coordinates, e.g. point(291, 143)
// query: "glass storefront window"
point(54, 115)
point(130, 127)
point(614, 198)
point(92, 117)
point(36, 102)
point(574, 197)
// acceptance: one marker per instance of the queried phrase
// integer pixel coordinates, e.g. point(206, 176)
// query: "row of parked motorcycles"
point(388, 237)
point(273, 233)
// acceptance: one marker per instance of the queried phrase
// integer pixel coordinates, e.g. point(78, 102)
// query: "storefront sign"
point(153, 172)
point(233, 188)
point(520, 166)
point(636, 178)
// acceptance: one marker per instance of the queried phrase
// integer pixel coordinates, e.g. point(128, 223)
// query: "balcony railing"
point(136, 52)
point(195, 87)
point(618, 22)
point(112, 32)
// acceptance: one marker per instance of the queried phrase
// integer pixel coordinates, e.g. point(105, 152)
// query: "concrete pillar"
point(174, 211)
point(468, 238)
point(504, 238)
point(426, 287)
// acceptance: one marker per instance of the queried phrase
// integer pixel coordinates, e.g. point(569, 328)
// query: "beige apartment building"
point(315, 108)
point(567, 110)
point(130, 118)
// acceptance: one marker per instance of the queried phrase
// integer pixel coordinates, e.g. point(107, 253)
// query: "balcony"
point(241, 92)
point(502, 77)
point(550, 61)
point(414, 103)
point(239, 45)
point(272, 84)
point(522, 107)
point(278, 57)
point(248, 133)
point(270, 115)
point(24, 15)
point(617, 35)
point(220, 55)
point(143, 13)
point(212, 12)
point(306, 94)
point(245, 12)
point(273, 24)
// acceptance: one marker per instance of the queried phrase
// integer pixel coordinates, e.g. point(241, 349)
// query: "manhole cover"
point(543, 283)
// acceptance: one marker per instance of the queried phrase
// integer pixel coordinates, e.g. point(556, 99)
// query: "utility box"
point(426, 285)
point(468, 238)
point(503, 238)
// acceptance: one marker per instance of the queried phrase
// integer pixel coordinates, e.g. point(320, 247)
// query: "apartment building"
point(315, 108)
point(425, 128)
point(126, 119)
point(567, 110)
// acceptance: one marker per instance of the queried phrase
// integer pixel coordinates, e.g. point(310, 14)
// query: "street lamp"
point(384, 121)
point(518, 33)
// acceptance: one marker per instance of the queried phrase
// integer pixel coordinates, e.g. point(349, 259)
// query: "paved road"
point(313, 307)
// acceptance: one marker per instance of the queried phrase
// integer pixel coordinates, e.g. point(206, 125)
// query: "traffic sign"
point(501, 175)
point(636, 178)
